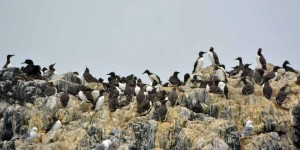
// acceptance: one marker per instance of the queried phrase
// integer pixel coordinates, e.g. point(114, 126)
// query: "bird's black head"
point(28, 62)
point(100, 80)
point(247, 66)
point(44, 69)
point(147, 71)
point(276, 68)
point(222, 65)
point(286, 63)
point(259, 51)
point(9, 55)
point(239, 59)
point(112, 74)
point(51, 67)
point(87, 70)
point(201, 53)
point(211, 49)
point(176, 73)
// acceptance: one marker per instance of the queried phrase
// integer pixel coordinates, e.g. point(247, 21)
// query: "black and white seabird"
point(113, 103)
point(64, 99)
point(281, 96)
point(261, 61)
point(50, 90)
point(153, 77)
point(162, 111)
point(152, 95)
point(248, 87)
point(213, 57)
point(114, 76)
point(212, 88)
point(247, 72)
point(173, 97)
point(258, 76)
point(287, 68)
point(85, 94)
point(273, 74)
point(267, 89)
point(241, 65)
point(48, 73)
point(88, 77)
point(100, 100)
point(237, 70)
point(54, 124)
point(8, 63)
point(221, 73)
point(128, 90)
point(199, 62)
point(186, 78)
point(223, 87)
point(31, 69)
point(174, 80)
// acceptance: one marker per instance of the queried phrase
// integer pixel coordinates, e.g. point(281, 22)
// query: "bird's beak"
point(23, 63)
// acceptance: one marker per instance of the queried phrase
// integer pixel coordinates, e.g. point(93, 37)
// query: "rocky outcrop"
point(201, 120)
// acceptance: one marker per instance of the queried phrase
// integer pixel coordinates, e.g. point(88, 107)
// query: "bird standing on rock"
point(174, 80)
point(272, 75)
point(8, 63)
point(173, 97)
point(267, 89)
point(261, 61)
point(199, 62)
point(50, 72)
point(213, 57)
point(88, 77)
point(247, 129)
point(153, 77)
point(162, 111)
point(248, 87)
point(281, 96)
point(287, 68)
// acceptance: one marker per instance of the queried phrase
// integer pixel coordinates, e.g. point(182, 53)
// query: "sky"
point(160, 35)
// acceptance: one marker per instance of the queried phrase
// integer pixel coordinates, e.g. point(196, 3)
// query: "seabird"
point(153, 77)
point(173, 97)
point(221, 73)
point(113, 75)
point(223, 87)
point(50, 90)
point(247, 129)
point(125, 102)
point(50, 72)
point(287, 68)
point(194, 83)
point(64, 99)
point(113, 103)
point(162, 111)
point(241, 65)
point(261, 61)
point(142, 103)
point(237, 70)
point(267, 89)
point(258, 76)
point(104, 145)
point(281, 96)
point(212, 88)
point(85, 94)
point(213, 57)
point(199, 62)
point(174, 80)
point(31, 69)
point(8, 64)
point(248, 87)
point(186, 78)
point(100, 100)
point(88, 77)
point(128, 90)
point(31, 136)
point(55, 124)
point(272, 75)
point(247, 72)
point(152, 95)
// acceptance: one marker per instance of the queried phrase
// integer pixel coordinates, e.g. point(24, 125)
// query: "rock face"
point(201, 120)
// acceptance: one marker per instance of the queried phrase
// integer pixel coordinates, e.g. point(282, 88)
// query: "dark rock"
point(71, 77)
point(67, 87)
point(196, 100)
point(296, 125)
point(8, 74)
point(26, 91)
point(7, 130)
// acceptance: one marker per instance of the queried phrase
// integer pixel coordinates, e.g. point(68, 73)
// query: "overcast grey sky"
point(129, 36)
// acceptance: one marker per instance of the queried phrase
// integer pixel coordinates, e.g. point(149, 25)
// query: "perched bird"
point(8, 63)
point(31, 69)
point(53, 125)
point(272, 75)
point(85, 94)
point(261, 61)
point(212, 88)
point(258, 76)
point(162, 111)
point(125, 102)
point(64, 99)
point(50, 90)
point(113, 75)
point(104, 145)
point(223, 87)
point(173, 97)
point(267, 89)
point(31, 136)
point(152, 95)
point(174, 80)
point(237, 70)
point(153, 77)
point(199, 62)
point(213, 57)
point(100, 100)
point(194, 82)
point(281, 96)
point(241, 65)
point(113, 103)
point(186, 78)
point(247, 72)
point(248, 87)
point(88, 77)
point(247, 129)
point(50, 72)
point(128, 90)
point(287, 68)
point(221, 73)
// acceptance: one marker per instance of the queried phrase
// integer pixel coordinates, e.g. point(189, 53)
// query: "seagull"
point(247, 129)
point(104, 145)
point(31, 136)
